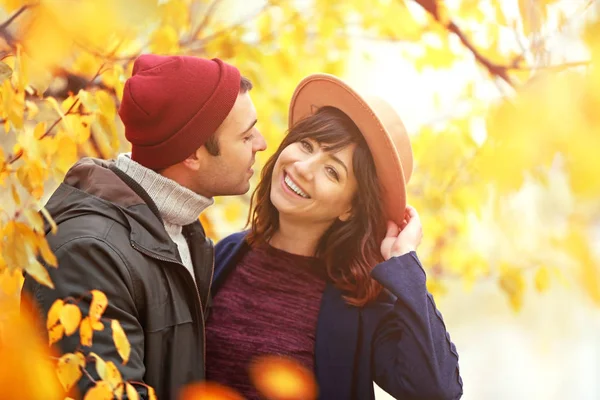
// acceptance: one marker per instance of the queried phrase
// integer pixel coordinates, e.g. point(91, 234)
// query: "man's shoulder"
point(89, 227)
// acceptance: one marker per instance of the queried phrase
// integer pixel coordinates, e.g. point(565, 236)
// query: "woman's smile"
point(292, 188)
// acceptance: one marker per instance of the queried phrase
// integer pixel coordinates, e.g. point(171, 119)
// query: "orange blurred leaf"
point(102, 391)
point(27, 370)
point(209, 390)
point(70, 317)
point(121, 341)
point(278, 378)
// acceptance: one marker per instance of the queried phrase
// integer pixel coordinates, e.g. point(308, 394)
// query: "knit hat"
point(173, 104)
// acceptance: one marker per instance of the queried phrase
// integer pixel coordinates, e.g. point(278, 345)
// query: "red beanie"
point(172, 104)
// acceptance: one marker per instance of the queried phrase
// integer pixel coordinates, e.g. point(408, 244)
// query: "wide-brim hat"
point(379, 124)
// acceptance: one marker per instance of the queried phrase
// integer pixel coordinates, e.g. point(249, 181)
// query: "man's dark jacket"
point(111, 238)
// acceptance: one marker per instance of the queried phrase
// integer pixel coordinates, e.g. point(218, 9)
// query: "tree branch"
point(494, 69)
point(16, 15)
point(19, 154)
point(204, 23)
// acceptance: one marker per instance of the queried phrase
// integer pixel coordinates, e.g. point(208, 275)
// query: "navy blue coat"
point(399, 341)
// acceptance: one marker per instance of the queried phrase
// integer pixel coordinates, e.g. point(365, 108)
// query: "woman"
point(328, 272)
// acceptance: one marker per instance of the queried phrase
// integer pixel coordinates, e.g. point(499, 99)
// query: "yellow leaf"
point(46, 252)
point(39, 273)
point(55, 334)
point(102, 391)
point(106, 103)
point(530, 16)
point(5, 72)
point(132, 394)
point(50, 220)
point(86, 332)
point(542, 279)
point(32, 176)
point(39, 130)
point(32, 109)
point(34, 220)
point(121, 341)
point(69, 370)
point(113, 376)
point(68, 153)
point(100, 366)
point(70, 317)
point(15, 195)
point(164, 40)
point(87, 64)
point(54, 313)
point(99, 304)
point(513, 283)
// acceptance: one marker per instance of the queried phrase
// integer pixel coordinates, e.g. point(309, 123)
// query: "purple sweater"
point(268, 305)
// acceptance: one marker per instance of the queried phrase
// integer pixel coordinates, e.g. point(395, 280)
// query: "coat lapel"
point(336, 345)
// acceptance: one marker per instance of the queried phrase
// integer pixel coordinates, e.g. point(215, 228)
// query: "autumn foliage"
point(62, 72)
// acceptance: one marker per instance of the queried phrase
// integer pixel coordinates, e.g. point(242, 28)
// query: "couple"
point(327, 273)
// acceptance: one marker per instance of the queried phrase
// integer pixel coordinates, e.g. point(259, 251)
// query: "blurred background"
point(501, 101)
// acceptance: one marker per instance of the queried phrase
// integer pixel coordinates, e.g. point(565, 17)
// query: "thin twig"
point(204, 23)
point(230, 28)
point(89, 376)
point(9, 21)
point(557, 67)
point(19, 154)
point(494, 69)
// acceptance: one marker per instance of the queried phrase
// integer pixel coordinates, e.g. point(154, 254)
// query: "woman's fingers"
point(392, 229)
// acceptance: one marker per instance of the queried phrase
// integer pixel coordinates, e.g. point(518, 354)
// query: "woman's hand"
point(403, 239)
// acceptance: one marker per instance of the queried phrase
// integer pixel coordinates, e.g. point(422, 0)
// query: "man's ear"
point(194, 161)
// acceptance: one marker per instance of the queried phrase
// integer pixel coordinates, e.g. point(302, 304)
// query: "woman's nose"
point(304, 168)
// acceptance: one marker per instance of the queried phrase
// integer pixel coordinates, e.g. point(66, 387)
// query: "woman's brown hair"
point(349, 249)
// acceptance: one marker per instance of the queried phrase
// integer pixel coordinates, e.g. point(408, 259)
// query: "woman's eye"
point(249, 137)
point(306, 145)
point(333, 173)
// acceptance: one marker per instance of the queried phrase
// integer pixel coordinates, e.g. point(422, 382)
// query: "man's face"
point(229, 172)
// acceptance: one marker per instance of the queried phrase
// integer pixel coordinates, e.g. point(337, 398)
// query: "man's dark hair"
point(212, 144)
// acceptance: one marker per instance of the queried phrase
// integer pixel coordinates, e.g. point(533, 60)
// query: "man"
point(130, 228)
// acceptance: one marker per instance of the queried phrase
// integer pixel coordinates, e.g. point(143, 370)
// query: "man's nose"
point(260, 144)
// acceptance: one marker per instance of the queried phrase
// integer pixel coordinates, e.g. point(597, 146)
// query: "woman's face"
point(311, 184)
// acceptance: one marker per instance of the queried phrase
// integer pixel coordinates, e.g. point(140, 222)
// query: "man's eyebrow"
point(250, 127)
point(336, 159)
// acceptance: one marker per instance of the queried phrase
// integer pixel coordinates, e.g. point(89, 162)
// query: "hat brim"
point(320, 90)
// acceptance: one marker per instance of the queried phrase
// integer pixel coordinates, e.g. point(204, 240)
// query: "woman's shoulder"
point(231, 240)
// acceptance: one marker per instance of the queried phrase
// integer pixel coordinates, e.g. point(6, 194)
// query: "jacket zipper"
point(212, 273)
point(201, 317)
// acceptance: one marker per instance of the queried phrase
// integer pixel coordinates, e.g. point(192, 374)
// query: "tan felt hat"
point(380, 125)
